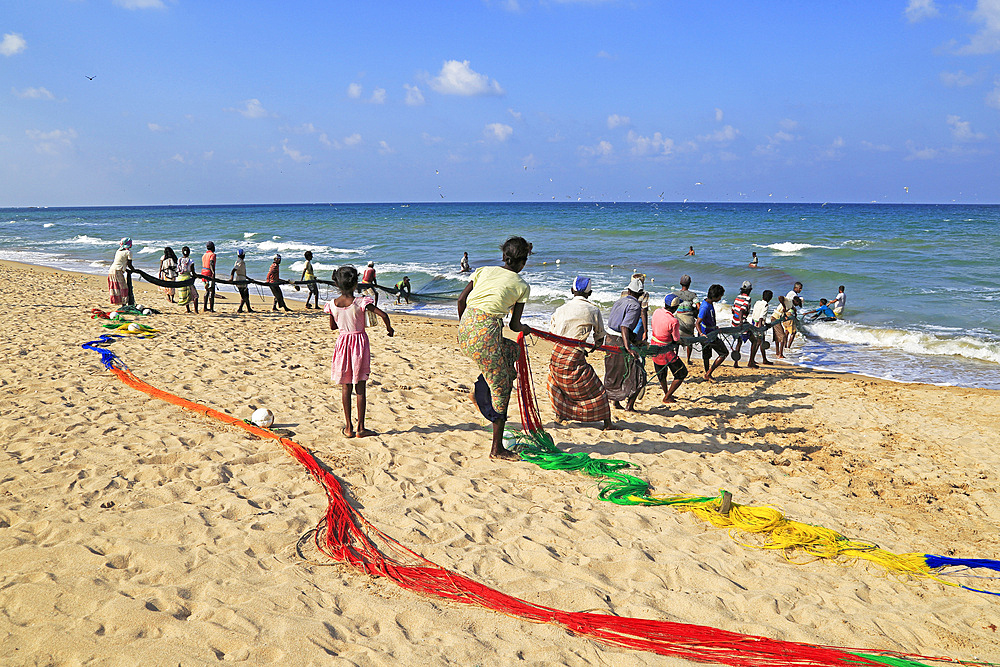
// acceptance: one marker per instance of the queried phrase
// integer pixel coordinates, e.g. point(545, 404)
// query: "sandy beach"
point(133, 532)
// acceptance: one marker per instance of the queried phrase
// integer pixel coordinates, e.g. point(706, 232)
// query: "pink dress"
point(352, 353)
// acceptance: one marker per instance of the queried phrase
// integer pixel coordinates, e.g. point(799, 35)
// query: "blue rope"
point(108, 358)
point(944, 561)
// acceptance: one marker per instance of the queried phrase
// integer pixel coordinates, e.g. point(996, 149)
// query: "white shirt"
point(577, 318)
point(759, 311)
point(122, 257)
point(838, 304)
point(791, 295)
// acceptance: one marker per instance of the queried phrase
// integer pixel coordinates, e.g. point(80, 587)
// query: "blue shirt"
point(626, 312)
point(707, 316)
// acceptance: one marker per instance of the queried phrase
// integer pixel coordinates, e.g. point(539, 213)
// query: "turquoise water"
point(923, 300)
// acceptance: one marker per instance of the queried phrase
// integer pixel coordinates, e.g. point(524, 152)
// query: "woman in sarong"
point(490, 295)
point(117, 284)
point(187, 296)
point(575, 389)
point(168, 271)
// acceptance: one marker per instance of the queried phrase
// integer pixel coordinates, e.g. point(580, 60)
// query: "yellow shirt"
point(496, 289)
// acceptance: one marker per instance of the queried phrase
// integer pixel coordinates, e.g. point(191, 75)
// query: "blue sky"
point(250, 101)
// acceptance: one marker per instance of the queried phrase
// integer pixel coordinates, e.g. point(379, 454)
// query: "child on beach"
point(308, 275)
point(741, 308)
point(758, 316)
point(779, 327)
point(352, 354)
point(705, 324)
point(185, 269)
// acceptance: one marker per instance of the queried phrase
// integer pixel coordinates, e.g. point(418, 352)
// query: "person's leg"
point(706, 355)
point(361, 391)
point(753, 353)
point(345, 400)
point(736, 349)
point(497, 450)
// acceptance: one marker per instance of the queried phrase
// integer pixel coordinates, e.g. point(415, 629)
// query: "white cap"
point(635, 285)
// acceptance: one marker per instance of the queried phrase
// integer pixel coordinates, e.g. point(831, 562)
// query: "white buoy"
point(262, 417)
point(147, 311)
point(558, 261)
point(134, 328)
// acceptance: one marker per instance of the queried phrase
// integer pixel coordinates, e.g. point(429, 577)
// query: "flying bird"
point(91, 77)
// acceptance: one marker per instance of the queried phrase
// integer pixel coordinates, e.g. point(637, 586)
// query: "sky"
point(150, 102)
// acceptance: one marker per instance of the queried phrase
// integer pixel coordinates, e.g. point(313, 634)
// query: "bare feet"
point(752, 366)
point(708, 378)
point(767, 363)
point(669, 399)
point(365, 433)
point(610, 426)
point(347, 431)
point(505, 455)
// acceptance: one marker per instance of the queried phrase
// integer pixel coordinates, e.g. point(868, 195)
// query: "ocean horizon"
point(923, 301)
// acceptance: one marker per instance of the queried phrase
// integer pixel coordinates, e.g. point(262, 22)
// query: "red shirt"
point(664, 328)
point(272, 274)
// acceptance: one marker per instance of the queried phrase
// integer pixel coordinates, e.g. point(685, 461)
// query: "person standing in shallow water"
point(490, 295)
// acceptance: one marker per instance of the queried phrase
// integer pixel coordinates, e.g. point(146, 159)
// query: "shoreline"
point(133, 528)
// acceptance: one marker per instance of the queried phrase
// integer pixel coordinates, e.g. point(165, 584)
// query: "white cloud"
point(961, 130)
point(384, 149)
point(33, 94)
point(430, 139)
point(354, 91)
point(141, 4)
point(179, 158)
point(12, 44)
point(606, 56)
point(918, 10)
point(378, 96)
point(987, 40)
point(656, 144)
point(788, 124)
point(880, 148)
point(614, 120)
point(718, 115)
point(252, 109)
point(602, 149)
point(957, 79)
point(353, 139)
point(457, 78)
point(498, 131)
point(154, 127)
point(294, 153)
point(304, 128)
point(919, 153)
point(52, 142)
point(516, 115)
point(993, 97)
point(726, 134)
point(414, 97)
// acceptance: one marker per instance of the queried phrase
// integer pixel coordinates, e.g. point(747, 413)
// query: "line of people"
point(574, 388)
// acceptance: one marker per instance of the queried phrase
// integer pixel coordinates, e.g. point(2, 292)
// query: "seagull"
point(91, 77)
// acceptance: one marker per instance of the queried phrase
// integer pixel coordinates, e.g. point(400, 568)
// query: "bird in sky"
point(91, 77)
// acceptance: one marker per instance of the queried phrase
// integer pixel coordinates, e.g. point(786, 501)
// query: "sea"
point(923, 299)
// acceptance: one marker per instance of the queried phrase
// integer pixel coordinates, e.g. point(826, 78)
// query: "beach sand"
point(134, 532)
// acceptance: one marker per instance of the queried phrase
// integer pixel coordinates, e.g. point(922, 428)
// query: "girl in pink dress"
point(352, 354)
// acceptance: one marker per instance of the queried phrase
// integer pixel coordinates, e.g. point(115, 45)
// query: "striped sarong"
point(574, 387)
point(117, 288)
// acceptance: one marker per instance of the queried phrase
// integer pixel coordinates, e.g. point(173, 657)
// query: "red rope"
point(346, 536)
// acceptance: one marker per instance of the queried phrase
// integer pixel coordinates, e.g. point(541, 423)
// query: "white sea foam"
point(83, 239)
point(912, 342)
point(249, 235)
point(272, 246)
point(48, 224)
point(789, 247)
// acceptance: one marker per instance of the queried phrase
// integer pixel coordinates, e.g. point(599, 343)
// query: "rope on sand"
point(346, 536)
point(778, 531)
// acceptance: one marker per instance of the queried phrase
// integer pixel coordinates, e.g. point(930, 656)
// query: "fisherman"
point(686, 311)
point(239, 274)
point(464, 265)
point(574, 387)
point(274, 282)
point(624, 372)
point(665, 331)
point(705, 325)
point(403, 290)
point(118, 288)
point(368, 287)
point(208, 272)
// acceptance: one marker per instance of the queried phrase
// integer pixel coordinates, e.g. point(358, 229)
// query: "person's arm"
point(333, 323)
point(463, 298)
point(384, 317)
point(625, 333)
point(515, 320)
